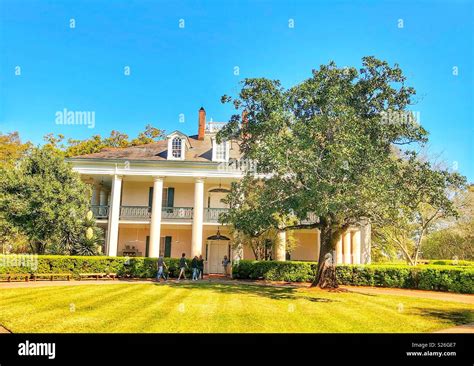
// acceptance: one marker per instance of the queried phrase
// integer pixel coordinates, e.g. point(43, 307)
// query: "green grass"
point(218, 307)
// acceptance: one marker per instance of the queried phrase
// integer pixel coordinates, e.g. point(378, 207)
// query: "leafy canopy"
point(328, 146)
point(45, 200)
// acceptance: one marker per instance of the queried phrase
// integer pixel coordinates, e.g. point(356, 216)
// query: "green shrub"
point(446, 262)
point(423, 277)
point(274, 271)
point(138, 267)
point(432, 276)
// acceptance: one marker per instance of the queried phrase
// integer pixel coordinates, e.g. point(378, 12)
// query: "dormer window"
point(176, 148)
point(177, 145)
point(220, 152)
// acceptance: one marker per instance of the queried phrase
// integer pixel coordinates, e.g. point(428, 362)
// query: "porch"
point(168, 214)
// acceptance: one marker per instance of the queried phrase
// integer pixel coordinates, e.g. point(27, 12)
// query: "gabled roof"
point(179, 134)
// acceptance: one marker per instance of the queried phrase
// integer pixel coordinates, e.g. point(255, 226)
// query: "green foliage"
point(90, 239)
point(139, 267)
point(45, 200)
point(328, 147)
point(451, 262)
point(97, 143)
point(11, 149)
point(274, 271)
point(424, 277)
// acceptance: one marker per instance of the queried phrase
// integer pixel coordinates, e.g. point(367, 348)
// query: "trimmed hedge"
point(425, 277)
point(446, 262)
point(291, 271)
point(140, 267)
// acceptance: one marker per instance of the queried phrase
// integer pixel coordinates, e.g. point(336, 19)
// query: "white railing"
point(100, 211)
point(212, 214)
point(180, 213)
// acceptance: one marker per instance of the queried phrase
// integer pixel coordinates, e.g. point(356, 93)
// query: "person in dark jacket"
point(201, 268)
point(225, 264)
point(161, 263)
point(182, 266)
point(195, 267)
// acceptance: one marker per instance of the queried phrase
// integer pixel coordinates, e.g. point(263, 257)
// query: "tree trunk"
point(326, 273)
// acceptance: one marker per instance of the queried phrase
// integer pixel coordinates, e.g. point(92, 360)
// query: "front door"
point(217, 249)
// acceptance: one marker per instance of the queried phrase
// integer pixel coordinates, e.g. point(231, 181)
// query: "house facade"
point(165, 198)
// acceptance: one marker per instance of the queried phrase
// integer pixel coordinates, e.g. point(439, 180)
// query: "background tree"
point(255, 223)
point(96, 143)
point(454, 239)
point(44, 200)
point(424, 200)
point(11, 149)
point(324, 146)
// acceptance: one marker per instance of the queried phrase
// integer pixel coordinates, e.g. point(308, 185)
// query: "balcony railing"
point(167, 213)
point(212, 214)
point(135, 212)
point(100, 212)
point(177, 213)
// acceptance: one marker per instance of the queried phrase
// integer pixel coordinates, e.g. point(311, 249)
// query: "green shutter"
point(170, 202)
point(150, 197)
point(168, 246)
point(147, 246)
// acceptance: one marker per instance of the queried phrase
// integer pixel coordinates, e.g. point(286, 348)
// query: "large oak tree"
point(330, 146)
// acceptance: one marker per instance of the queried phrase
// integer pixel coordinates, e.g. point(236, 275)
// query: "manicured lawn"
point(215, 307)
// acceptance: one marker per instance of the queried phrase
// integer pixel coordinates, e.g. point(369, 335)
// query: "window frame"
point(178, 141)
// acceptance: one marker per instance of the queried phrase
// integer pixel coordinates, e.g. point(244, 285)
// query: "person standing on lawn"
point(195, 268)
point(201, 268)
point(182, 266)
point(161, 265)
point(225, 263)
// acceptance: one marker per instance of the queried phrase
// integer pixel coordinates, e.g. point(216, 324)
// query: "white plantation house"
point(165, 198)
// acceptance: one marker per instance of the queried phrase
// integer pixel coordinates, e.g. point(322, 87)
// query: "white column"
point(280, 246)
point(339, 251)
point(102, 196)
point(114, 216)
point(198, 213)
point(155, 225)
point(346, 247)
point(95, 199)
point(355, 239)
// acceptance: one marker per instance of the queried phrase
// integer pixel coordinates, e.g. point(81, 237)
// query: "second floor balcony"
point(143, 213)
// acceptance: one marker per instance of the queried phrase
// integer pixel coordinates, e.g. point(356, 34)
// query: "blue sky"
point(177, 70)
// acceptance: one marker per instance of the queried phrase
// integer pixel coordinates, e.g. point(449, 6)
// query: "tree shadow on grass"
point(271, 292)
point(455, 316)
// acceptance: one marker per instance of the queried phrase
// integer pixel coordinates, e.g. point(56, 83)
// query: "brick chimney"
point(202, 123)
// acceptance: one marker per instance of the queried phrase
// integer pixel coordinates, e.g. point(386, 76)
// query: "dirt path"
point(466, 328)
point(3, 330)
